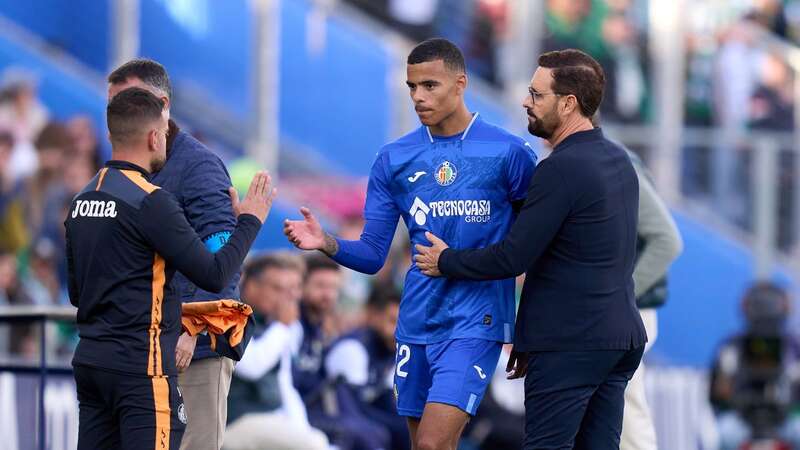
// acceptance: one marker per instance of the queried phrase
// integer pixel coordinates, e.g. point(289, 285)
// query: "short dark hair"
point(150, 72)
point(383, 295)
point(258, 264)
point(576, 73)
point(435, 49)
point(131, 110)
point(319, 261)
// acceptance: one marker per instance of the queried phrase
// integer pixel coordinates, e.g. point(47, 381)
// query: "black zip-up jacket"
point(576, 239)
point(125, 240)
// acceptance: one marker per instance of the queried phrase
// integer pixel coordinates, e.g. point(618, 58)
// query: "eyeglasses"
point(539, 96)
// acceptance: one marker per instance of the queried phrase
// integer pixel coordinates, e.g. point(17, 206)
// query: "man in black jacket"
point(579, 337)
point(125, 239)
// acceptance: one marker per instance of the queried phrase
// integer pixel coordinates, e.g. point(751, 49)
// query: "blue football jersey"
point(460, 188)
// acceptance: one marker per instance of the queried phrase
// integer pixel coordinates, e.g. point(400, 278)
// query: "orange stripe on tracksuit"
point(154, 365)
point(155, 368)
point(163, 412)
point(100, 180)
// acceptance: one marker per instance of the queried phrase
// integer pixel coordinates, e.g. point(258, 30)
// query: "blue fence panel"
point(706, 284)
point(202, 43)
point(80, 27)
point(334, 96)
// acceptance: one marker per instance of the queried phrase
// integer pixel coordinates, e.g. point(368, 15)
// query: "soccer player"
point(125, 239)
point(199, 181)
point(463, 177)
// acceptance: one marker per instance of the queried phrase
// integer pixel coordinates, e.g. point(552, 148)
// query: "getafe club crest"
point(182, 414)
point(446, 173)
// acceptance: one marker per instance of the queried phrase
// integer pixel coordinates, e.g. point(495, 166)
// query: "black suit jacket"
point(575, 237)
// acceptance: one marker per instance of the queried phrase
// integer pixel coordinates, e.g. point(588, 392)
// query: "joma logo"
point(94, 208)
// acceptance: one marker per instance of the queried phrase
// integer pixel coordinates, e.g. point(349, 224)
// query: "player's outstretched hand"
point(427, 258)
point(306, 234)
point(259, 197)
point(517, 365)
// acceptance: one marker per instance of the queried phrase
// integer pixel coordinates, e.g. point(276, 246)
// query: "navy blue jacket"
point(199, 181)
point(308, 370)
point(575, 238)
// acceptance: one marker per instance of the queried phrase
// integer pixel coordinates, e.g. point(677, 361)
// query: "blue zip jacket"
point(199, 181)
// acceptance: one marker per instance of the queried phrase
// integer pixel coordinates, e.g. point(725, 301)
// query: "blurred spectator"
point(320, 296)
point(771, 15)
point(355, 285)
point(364, 360)
point(772, 103)
point(265, 411)
point(413, 18)
point(755, 378)
point(84, 140)
point(78, 171)
point(14, 233)
point(23, 115)
point(486, 31)
point(22, 341)
point(40, 279)
point(735, 74)
point(605, 31)
point(772, 109)
point(52, 145)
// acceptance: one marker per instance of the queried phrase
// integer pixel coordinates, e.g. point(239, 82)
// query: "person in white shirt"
point(264, 409)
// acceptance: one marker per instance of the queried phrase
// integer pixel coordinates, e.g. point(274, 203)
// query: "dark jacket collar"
point(580, 137)
point(126, 165)
point(173, 134)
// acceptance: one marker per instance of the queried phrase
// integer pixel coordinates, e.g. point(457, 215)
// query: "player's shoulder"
point(187, 149)
point(124, 184)
point(407, 141)
point(484, 131)
point(159, 207)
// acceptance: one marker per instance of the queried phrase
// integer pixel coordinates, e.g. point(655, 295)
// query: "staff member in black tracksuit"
point(578, 335)
point(199, 181)
point(125, 240)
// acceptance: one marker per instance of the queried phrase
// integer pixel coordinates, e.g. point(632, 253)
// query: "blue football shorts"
point(454, 372)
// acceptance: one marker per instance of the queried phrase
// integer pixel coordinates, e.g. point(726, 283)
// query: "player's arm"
point(207, 206)
point(663, 242)
point(167, 229)
point(545, 208)
point(72, 286)
point(520, 164)
point(368, 253)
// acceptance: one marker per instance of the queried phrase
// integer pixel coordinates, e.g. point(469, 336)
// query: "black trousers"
point(128, 412)
point(574, 400)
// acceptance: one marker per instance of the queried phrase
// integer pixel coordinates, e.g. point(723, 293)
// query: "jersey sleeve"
point(380, 204)
point(368, 253)
point(167, 230)
point(72, 285)
point(519, 169)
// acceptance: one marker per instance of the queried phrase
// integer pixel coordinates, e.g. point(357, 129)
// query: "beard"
point(157, 163)
point(544, 126)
